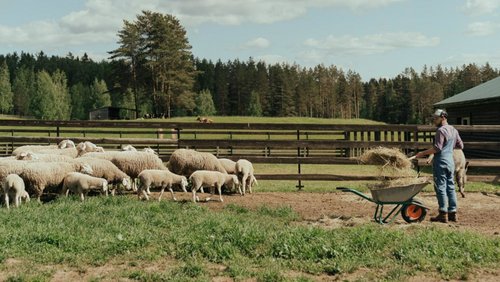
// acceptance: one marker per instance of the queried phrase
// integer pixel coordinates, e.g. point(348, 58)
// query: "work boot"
point(441, 217)
point(452, 216)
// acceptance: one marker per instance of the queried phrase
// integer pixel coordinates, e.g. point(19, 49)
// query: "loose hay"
point(386, 157)
point(399, 183)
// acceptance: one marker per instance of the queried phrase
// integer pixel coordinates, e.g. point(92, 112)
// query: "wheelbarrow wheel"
point(413, 213)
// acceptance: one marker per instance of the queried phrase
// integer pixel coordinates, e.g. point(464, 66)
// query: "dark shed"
point(108, 113)
point(477, 106)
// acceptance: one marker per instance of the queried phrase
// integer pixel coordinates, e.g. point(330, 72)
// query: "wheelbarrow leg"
point(396, 209)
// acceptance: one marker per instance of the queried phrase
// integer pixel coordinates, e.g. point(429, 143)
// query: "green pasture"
point(181, 241)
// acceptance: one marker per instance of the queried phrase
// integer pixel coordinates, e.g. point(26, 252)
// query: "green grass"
point(264, 244)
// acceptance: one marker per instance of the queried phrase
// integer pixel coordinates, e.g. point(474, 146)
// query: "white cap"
point(440, 113)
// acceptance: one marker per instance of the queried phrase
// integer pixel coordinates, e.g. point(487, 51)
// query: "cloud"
point(99, 21)
point(480, 7)
point(368, 44)
point(272, 59)
point(468, 58)
point(482, 28)
point(256, 43)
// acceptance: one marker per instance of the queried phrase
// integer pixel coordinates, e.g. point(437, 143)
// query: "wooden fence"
point(259, 142)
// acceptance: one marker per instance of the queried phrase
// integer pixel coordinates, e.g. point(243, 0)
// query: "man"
point(443, 167)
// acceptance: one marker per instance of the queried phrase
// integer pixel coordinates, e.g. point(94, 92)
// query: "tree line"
point(154, 72)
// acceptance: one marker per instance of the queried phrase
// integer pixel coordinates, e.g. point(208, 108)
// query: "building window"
point(465, 121)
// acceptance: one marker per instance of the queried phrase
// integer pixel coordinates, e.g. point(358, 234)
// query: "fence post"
point(347, 151)
point(299, 168)
point(178, 137)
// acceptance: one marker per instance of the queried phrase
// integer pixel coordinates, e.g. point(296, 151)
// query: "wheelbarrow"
point(411, 209)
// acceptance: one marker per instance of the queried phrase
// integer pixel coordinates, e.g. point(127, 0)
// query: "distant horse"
point(204, 120)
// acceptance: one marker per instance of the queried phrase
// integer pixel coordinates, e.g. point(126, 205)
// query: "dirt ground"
point(478, 212)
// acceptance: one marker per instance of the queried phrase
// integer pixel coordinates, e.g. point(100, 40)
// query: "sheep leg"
point(161, 193)
point(144, 193)
point(250, 185)
point(82, 197)
point(193, 190)
point(244, 183)
point(171, 192)
point(460, 176)
point(219, 188)
point(6, 199)
point(17, 200)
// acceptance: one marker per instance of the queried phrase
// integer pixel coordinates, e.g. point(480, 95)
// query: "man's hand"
point(420, 155)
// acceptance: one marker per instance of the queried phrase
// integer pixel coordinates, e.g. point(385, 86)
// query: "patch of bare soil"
point(477, 211)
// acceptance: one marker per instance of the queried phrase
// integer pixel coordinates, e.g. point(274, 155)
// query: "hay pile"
point(399, 182)
point(395, 167)
point(386, 157)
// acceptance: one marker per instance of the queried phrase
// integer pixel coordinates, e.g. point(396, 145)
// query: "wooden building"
point(110, 113)
point(477, 106)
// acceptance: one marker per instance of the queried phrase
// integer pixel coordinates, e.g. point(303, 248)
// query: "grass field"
point(121, 238)
point(185, 242)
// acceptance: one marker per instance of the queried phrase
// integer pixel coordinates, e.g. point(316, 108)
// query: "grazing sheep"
point(39, 175)
point(81, 184)
point(106, 169)
point(159, 178)
point(205, 178)
point(88, 147)
point(28, 156)
point(185, 162)
point(244, 170)
point(70, 152)
point(150, 151)
point(128, 148)
point(229, 165)
point(132, 163)
point(13, 186)
point(35, 148)
point(461, 166)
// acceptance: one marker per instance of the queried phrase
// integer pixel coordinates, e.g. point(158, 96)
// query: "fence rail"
point(272, 143)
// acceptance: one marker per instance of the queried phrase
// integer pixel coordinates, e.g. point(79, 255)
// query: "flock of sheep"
point(64, 168)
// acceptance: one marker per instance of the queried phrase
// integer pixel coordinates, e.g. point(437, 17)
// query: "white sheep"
point(159, 178)
point(81, 184)
point(149, 150)
point(106, 169)
point(129, 148)
point(13, 186)
point(229, 165)
point(29, 156)
point(132, 163)
point(460, 169)
point(39, 175)
point(185, 162)
point(245, 172)
point(35, 148)
point(212, 179)
point(88, 147)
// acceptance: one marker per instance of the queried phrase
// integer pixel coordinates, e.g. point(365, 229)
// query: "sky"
point(376, 38)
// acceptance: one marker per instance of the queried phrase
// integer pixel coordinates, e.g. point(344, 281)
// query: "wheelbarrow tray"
point(397, 194)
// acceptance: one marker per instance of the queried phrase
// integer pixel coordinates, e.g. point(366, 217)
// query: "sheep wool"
point(13, 187)
point(81, 184)
point(205, 178)
point(229, 165)
point(185, 162)
point(160, 178)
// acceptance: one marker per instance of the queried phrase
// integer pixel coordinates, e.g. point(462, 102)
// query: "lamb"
point(13, 186)
point(150, 151)
point(129, 148)
point(204, 120)
point(28, 156)
point(244, 170)
point(211, 179)
point(39, 175)
point(160, 178)
point(81, 184)
point(106, 169)
point(186, 162)
point(64, 144)
point(229, 165)
point(461, 166)
point(87, 147)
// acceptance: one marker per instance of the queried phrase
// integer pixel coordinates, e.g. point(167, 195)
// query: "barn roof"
point(479, 94)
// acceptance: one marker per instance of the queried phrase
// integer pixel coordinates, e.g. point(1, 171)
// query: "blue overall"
point(443, 170)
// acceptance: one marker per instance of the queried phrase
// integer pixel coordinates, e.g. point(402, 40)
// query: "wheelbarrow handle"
point(345, 189)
